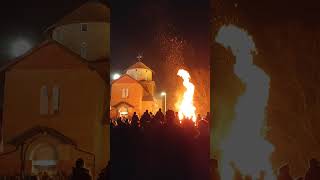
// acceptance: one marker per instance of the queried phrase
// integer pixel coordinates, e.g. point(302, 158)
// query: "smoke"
point(245, 146)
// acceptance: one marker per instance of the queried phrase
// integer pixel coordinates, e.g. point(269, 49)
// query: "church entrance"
point(123, 112)
point(44, 157)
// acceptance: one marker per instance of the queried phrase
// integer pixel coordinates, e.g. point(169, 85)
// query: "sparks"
point(186, 107)
point(245, 146)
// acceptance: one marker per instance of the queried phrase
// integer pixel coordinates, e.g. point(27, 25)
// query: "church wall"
point(134, 98)
point(150, 85)
point(97, 38)
point(80, 115)
point(10, 164)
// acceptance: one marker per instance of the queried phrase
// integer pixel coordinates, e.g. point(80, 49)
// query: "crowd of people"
point(159, 146)
point(162, 146)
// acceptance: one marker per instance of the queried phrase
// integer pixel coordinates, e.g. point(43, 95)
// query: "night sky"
point(135, 26)
point(28, 19)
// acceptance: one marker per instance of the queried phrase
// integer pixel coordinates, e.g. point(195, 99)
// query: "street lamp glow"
point(165, 100)
point(20, 47)
point(116, 76)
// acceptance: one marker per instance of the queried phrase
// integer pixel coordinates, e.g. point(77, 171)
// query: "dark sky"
point(135, 26)
point(28, 19)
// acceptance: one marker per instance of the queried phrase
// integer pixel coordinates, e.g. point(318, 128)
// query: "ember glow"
point(186, 107)
point(245, 146)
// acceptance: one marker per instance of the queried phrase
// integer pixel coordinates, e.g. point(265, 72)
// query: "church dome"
point(140, 72)
point(85, 31)
point(139, 65)
point(92, 11)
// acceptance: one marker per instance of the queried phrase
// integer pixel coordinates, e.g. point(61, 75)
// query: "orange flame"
point(186, 107)
point(245, 147)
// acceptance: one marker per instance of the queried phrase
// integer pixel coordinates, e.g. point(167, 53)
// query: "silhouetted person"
point(284, 173)
point(79, 172)
point(170, 117)
point(105, 173)
point(145, 118)
point(121, 122)
point(313, 172)
point(134, 120)
point(159, 116)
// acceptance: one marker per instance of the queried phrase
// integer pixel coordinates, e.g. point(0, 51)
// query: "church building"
point(56, 98)
point(134, 91)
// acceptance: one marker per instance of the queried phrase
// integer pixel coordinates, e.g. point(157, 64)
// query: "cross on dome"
point(139, 57)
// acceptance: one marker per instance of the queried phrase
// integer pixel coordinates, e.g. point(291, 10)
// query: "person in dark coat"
point(313, 172)
point(145, 118)
point(284, 173)
point(134, 120)
point(105, 173)
point(159, 116)
point(79, 172)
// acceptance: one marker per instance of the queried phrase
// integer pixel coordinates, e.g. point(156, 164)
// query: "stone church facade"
point(56, 98)
point(134, 91)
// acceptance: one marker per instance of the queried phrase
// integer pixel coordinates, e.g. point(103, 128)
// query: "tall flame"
point(245, 147)
point(186, 107)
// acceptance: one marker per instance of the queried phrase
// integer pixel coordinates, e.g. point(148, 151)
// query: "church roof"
point(91, 11)
point(134, 80)
point(96, 66)
point(139, 64)
point(38, 130)
point(122, 102)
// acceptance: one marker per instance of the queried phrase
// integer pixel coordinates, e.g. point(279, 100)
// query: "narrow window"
point(123, 91)
point(83, 50)
point(55, 99)
point(127, 92)
point(44, 100)
point(84, 27)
